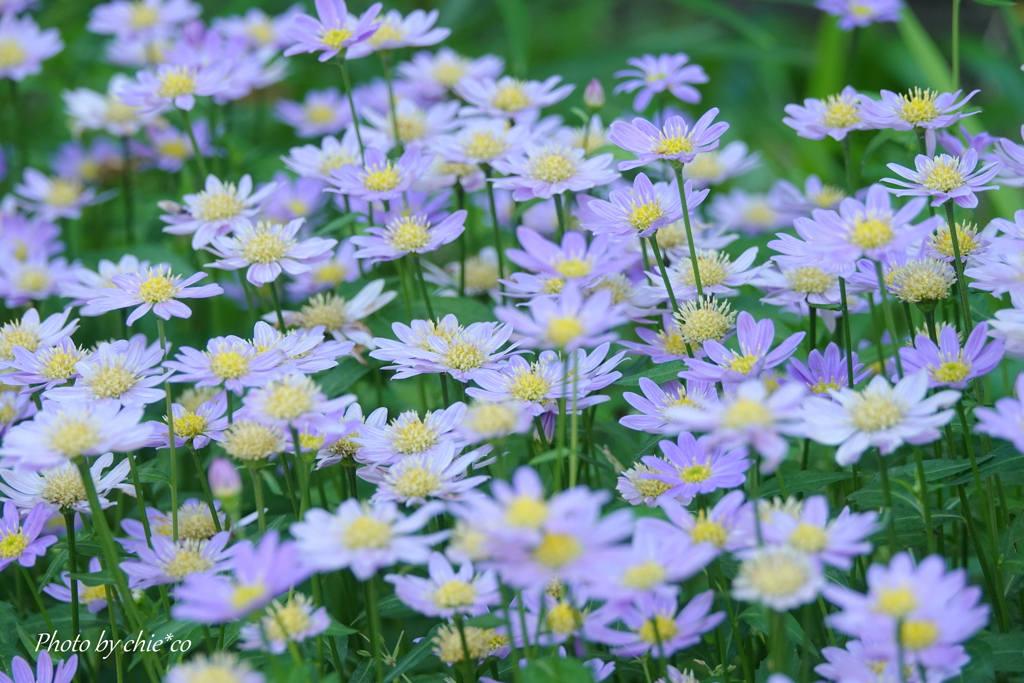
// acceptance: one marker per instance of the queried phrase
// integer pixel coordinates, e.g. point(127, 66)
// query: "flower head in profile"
point(334, 30)
point(207, 422)
point(380, 178)
point(155, 289)
point(834, 116)
point(652, 75)
point(365, 538)
point(543, 171)
point(674, 141)
point(170, 561)
point(23, 47)
point(657, 399)
point(949, 365)
point(20, 541)
point(339, 316)
point(446, 592)
point(880, 415)
point(944, 177)
point(860, 13)
point(434, 74)
point(438, 474)
point(416, 29)
point(510, 98)
point(407, 233)
point(218, 209)
point(91, 110)
point(917, 108)
point(807, 528)
point(267, 249)
point(292, 620)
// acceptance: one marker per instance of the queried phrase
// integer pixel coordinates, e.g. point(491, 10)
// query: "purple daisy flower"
point(25, 46)
point(173, 85)
point(311, 161)
point(322, 112)
point(434, 75)
point(170, 562)
point(639, 211)
point(47, 367)
point(407, 233)
point(230, 361)
point(53, 198)
point(694, 466)
point(755, 355)
point(922, 609)
point(294, 198)
point(860, 13)
point(440, 473)
point(61, 488)
point(574, 259)
point(875, 661)
point(510, 98)
point(824, 371)
point(365, 537)
point(656, 399)
point(126, 19)
point(259, 574)
point(949, 365)
point(836, 542)
point(462, 354)
point(169, 148)
point(220, 208)
point(293, 621)
point(719, 275)
point(334, 30)
point(380, 178)
point(93, 597)
point(154, 289)
point(408, 434)
point(1003, 419)
point(665, 73)
point(31, 334)
point(944, 177)
point(268, 249)
point(917, 109)
point(834, 116)
point(122, 372)
point(446, 592)
point(416, 29)
point(568, 322)
point(674, 141)
point(656, 625)
point(880, 415)
point(45, 673)
point(729, 525)
point(20, 541)
point(543, 171)
point(304, 351)
point(207, 422)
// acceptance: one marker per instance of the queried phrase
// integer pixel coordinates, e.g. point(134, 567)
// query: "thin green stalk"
point(958, 265)
point(560, 211)
point(118, 664)
point(277, 306)
point(197, 153)
point(385, 63)
point(205, 484)
point(574, 455)
point(418, 269)
point(373, 620)
point(139, 496)
point(170, 436)
point(956, 44)
point(469, 671)
point(21, 143)
point(812, 335)
point(890, 322)
point(302, 474)
point(129, 196)
point(847, 334)
point(778, 654)
point(926, 507)
point(848, 163)
point(883, 475)
point(69, 524)
point(34, 589)
point(664, 272)
point(488, 173)
point(689, 230)
point(257, 491)
point(347, 82)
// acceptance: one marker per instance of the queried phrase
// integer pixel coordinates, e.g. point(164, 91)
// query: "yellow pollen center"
point(176, 149)
point(526, 513)
point(557, 550)
point(943, 176)
point(286, 622)
point(219, 205)
point(564, 329)
point(553, 285)
point(840, 113)
point(189, 425)
point(774, 575)
point(809, 280)
point(672, 145)
point(871, 232)
point(563, 619)
point(918, 634)
point(327, 310)
point(695, 474)
point(411, 127)
point(808, 538)
point(417, 482)
point(13, 545)
point(919, 106)
point(177, 81)
point(574, 267)
point(319, 113)
point(72, 437)
point(745, 412)
point(195, 522)
point(13, 334)
point(481, 275)
point(454, 593)
point(112, 381)
point(331, 273)
point(529, 386)
point(713, 267)
point(673, 343)
point(63, 192)
point(492, 418)
point(822, 386)
point(552, 166)
point(367, 533)
point(12, 53)
point(874, 412)
point(247, 440)
point(641, 216)
point(157, 288)
point(448, 73)
point(143, 15)
point(244, 595)
point(950, 371)
point(658, 630)
point(967, 240)
point(511, 98)
point(464, 357)
point(706, 530)
point(89, 593)
point(228, 364)
point(743, 364)
point(896, 602)
point(334, 38)
point(266, 245)
point(332, 160)
point(63, 486)
point(59, 363)
point(409, 233)
point(188, 560)
point(381, 178)
point(287, 401)
point(644, 576)
point(483, 145)
point(412, 436)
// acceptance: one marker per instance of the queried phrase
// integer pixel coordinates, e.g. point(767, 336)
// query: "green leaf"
point(924, 52)
point(1003, 459)
point(755, 617)
point(556, 670)
point(101, 578)
point(516, 19)
point(151, 475)
point(417, 654)
point(997, 3)
point(662, 372)
point(466, 309)
point(58, 563)
point(337, 380)
point(802, 482)
point(1007, 651)
point(8, 639)
point(338, 629)
point(649, 445)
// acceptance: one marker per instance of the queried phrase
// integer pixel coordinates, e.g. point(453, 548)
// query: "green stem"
point(926, 507)
point(418, 269)
point(847, 334)
point(385, 63)
point(689, 230)
point(956, 44)
point(890, 322)
point(813, 333)
point(69, 524)
point(277, 305)
point(560, 211)
point(170, 436)
point(958, 265)
point(574, 455)
point(196, 152)
point(346, 81)
point(302, 474)
point(205, 483)
point(139, 496)
point(129, 197)
point(373, 620)
point(883, 475)
point(848, 163)
point(469, 671)
point(664, 272)
point(257, 491)
point(488, 173)
point(34, 589)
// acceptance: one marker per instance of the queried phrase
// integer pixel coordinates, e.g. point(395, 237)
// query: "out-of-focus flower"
point(23, 47)
point(674, 141)
point(944, 177)
point(652, 75)
point(834, 116)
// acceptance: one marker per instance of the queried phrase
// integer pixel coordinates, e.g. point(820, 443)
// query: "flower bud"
point(225, 482)
point(593, 95)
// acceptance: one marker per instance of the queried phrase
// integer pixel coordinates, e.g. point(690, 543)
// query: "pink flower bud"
point(225, 481)
point(593, 95)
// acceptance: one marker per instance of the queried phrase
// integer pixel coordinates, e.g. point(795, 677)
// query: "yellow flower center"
point(12, 53)
point(195, 522)
point(943, 175)
point(72, 437)
point(319, 113)
point(671, 145)
point(246, 594)
point(822, 386)
point(673, 342)
point(324, 309)
point(228, 364)
point(553, 285)
point(288, 621)
point(247, 440)
point(919, 106)
point(704, 166)
point(875, 412)
point(381, 178)
point(189, 425)
point(658, 630)
point(335, 37)
point(367, 533)
point(143, 15)
point(219, 205)
point(695, 474)
point(112, 381)
point(644, 576)
point(266, 245)
point(808, 538)
point(706, 530)
point(410, 435)
point(411, 126)
point(449, 72)
point(287, 400)
point(187, 560)
point(331, 273)
point(14, 334)
point(743, 364)
point(483, 145)
point(827, 197)
point(13, 545)
point(552, 165)
point(966, 236)
point(529, 386)
point(918, 634)
point(388, 32)
point(409, 233)
point(642, 215)
point(746, 412)
point(59, 363)
point(759, 213)
point(557, 550)
point(840, 113)
point(63, 192)
point(714, 267)
point(177, 81)
point(704, 320)
point(176, 149)
point(563, 618)
point(525, 512)
point(332, 160)
point(574, 267)
point(464, 357)
point(648, 488)
point(896, 602)
point(775, 575)
point(511, 97)
point(63, 486)
point(950, 371)
point(417, 482)
point(454, 593)
point(871, 232)
point(481, 275)
point(157, 288)
point(809, 280)
point(564, 329)
point(89, 593)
